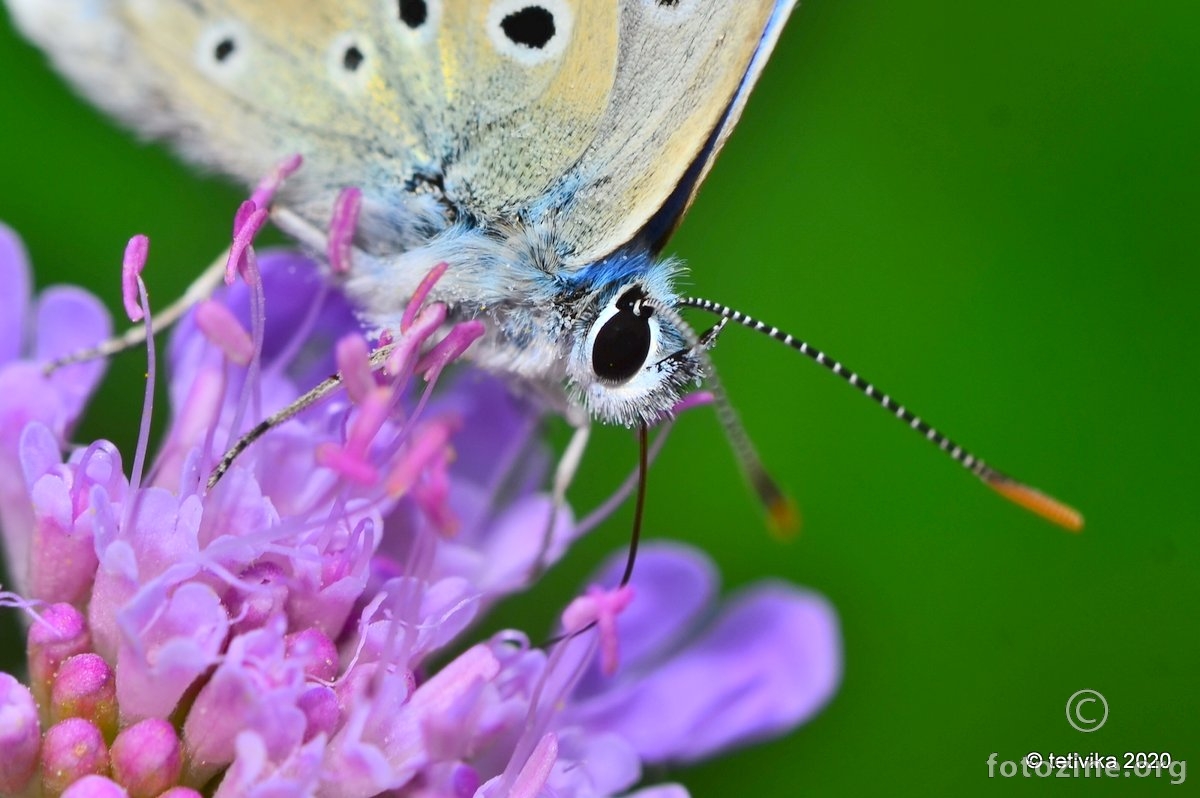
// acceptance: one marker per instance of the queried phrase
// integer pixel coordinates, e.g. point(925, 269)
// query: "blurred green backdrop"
point(989, 209)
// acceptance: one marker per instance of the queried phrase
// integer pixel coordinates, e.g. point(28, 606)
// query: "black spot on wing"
point(413, 13)
point(532, 27)
point(224, 49)
point(352, 59)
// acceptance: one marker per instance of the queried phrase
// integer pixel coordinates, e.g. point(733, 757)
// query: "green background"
point(991, 210)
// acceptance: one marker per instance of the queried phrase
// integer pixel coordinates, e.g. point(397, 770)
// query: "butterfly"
point(544, 150)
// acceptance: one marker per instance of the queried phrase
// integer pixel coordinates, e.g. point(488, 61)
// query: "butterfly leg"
point(564, 475)
point(200, 289)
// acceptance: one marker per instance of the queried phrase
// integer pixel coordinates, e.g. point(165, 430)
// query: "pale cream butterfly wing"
point(372, 93)
point(240, 85)
point(526, 84)
point(597, 120)
point(685, 71)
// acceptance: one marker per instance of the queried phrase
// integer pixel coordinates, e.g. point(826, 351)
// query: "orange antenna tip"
point(1037, 502)
point(783, 518)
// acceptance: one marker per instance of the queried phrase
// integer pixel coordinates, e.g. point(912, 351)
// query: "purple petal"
point(25, 398)
point(502, 560)
point(14, 294)
point(772, 659)
point(657, 791)
point(675, 584)
point(304, 321)
point(168, 643)
point(497, 448)
point(595, 764)
point(62, 559)
point(536, 772)
point(70, 319)
point(254, 689)
point(293, 285)
point(28, 449)
point(254, 774)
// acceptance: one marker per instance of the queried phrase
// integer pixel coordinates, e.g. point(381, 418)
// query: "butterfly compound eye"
point(622, 342)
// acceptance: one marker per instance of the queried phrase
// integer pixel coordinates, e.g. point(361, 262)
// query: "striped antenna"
point(1017, 492)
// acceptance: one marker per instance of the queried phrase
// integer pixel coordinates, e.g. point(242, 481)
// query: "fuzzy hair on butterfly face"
point(603, 337)
point(631, 361)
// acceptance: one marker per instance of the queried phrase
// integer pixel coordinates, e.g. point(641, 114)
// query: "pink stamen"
point(349, 465)
point(421, 294)
point(433, 494)
point(341, 229)
point(372, 414)
point(425, 325)
point(252, 386)
point(143, 440)
point(449, 348)
point(353, 363)
point(251, 222)
point(427, 443)
point(600, 607)
point(223, 330)
point(136, 252)
point(265, 192)
point(351, 460)
point(242, 214)
point(693, 400)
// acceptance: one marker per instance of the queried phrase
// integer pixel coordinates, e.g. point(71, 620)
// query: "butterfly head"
point(632, 356)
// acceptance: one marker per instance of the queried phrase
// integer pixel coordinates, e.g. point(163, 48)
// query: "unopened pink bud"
point(147, 758)
point(20, 735)
point(73, 748)
point(95, 787)
point(86, 688)
point(318, 653)
point(321, 711)
point(61, 632)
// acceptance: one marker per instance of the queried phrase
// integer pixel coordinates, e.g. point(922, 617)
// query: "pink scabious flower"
point(275, 633)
